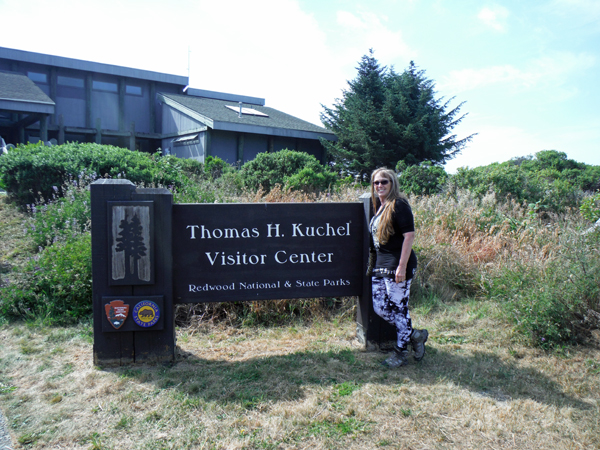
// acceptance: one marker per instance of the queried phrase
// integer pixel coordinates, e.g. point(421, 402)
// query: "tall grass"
point(544, 273)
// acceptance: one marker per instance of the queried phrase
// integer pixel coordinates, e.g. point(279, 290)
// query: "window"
point(104, 86)
point(37, 77)
point(69, 81)
point(247, 111)
point(133, 90)
point(186, 140)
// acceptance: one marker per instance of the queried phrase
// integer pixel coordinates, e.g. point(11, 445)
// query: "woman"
point(393, 232)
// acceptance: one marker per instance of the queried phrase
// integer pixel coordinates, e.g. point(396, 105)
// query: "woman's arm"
point(409, 238)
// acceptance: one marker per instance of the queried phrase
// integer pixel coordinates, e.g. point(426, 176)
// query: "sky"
point(527, 73)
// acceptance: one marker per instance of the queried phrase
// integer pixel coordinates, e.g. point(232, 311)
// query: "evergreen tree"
point(385, 117)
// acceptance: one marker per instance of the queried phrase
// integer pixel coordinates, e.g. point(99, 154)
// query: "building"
point(57, 99)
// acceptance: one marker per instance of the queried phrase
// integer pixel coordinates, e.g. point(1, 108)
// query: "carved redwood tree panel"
point(131, 240)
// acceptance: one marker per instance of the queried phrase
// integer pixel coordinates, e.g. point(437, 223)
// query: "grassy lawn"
point(303, 386)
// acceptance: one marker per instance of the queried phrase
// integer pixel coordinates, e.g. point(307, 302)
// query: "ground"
point(301, 386)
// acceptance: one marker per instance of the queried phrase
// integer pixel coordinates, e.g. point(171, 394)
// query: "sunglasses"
point(382, 182)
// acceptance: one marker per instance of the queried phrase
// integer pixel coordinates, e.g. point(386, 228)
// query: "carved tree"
point(131, 241)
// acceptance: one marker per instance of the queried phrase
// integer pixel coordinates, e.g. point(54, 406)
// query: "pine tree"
point(385, 117)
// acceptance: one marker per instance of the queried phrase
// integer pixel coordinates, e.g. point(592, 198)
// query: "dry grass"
point(462, 241)
point(345, 193)
point(15, 246)
point(303, 386)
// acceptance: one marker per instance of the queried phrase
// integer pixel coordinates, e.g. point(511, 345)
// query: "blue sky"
point(528, 71)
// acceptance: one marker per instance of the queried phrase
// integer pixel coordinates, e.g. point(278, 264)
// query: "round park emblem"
point(146, 313)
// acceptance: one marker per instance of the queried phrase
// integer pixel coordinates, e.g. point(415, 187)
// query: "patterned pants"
point(390, 302)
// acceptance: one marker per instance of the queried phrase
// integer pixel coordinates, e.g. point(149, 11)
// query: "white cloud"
point(494, 17)
point(545, 72)
point(268, 48)
point(495, 144)
point(499, 143)
point(589, 9)
point(366, 30)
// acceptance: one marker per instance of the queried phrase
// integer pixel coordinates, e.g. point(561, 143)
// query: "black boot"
point(417, 340)
point(397, 359)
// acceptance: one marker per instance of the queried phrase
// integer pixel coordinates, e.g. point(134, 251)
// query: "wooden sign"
point(231, 252)
point(148, 254)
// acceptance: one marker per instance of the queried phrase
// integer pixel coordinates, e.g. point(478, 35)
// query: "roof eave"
point(185, 110)
point(26, 106)
point(272, 131)
point(90, 66)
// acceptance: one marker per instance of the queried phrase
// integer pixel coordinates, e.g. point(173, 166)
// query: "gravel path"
point(5, 441)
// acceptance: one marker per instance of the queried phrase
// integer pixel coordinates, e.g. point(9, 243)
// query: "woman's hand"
point(409, 238)
point(401, 273)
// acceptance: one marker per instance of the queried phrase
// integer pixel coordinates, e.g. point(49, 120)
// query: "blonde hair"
point(386, 226)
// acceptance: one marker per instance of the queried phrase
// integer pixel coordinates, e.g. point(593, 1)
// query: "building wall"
point(70, 97)
point(253, 145)
point(224, 144)
point(175, 122)
point(282, 143)
point(105, 101)
point(312, 147)
point(69, 89)
point(119, 100)
point(158, 106)
point(137, 105)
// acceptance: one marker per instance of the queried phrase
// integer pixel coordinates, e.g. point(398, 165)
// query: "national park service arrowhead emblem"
point(116, 313)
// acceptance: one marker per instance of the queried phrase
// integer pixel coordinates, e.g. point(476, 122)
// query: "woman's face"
point(382, 186)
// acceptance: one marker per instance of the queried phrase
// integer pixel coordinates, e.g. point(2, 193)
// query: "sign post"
point(371, 330)
point(132, 270)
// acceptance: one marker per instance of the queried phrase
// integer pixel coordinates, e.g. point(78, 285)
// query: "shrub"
point(215, 167)
point(269, 169)
point(590, 207)
point(61, 217)
point(308, 180)
point(31, 173)
point(550, 180)
point(424, 179)
point(56, 285)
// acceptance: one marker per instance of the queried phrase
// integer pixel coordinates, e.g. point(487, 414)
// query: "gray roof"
point(214, 114)
point(90, 66)
point(19, 93)
point(225, 96)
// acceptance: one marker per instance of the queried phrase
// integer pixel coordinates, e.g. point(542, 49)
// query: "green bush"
point(215, 167)
point(308, 180)
point(300, 169)
point(424, 179)
point(32, 173)
point(556, 303)
point(550, 180)
point(590, 207)
point(56, 285)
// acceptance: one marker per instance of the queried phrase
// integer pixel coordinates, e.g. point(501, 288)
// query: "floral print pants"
point(390, 302)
